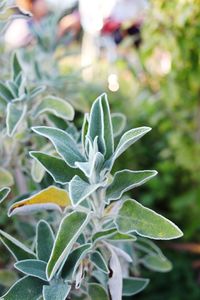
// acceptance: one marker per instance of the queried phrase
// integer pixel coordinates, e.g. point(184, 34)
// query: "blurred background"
point(145, 55)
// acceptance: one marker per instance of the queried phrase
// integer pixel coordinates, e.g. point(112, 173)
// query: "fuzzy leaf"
point(103, 234)
point(97, 292)
point(5, 92)
point(69, 230)
point(16, 66)
point(118, 122)
point(25, 288)
point(32, 267)
point(55, 166)
point(107, 129)
point(57, 106)
point(134, 217)
point(73, 260)
point(157, 263)
point(63, 142)
point(37, 171)
point(126, 180)
point(6, 178)
point(7, 277)
point(117, 236)
point(49, 198)
point(80, 190)
point(133, 285)
point(99, 261)
point(129, 138)
point(96, 126)
point(57, 291)
point(44, 240)
point(37, 90)
point(14, 117)
point(16, 248)
point(4, 193)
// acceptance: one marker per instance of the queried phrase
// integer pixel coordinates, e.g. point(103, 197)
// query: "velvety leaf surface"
point(57, 106)
point(49, 198)
point(118, 123)
point(129, 138)
point(157, 263)
point(24, 289)
point(17, 249)
point(57, 291)
point(44, 240)
point(4, 193)
point(96, 126)
point(55, 166)
point(134, 217)
point(14, 117)
point(74, 260)
point(132, 286)
point(69, 230)
point(6, 178)
point(16, 66)
point(126, 180)
point(80, 189)
point(107, 129)
point(99, 261)
point(5, 92)
point(97, 292)
point(32, 267)
point(63, 142)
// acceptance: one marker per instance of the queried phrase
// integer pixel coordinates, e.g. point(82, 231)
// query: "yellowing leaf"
point(49, 198)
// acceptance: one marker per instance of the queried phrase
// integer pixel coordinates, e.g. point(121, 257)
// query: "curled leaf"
point(49, 198)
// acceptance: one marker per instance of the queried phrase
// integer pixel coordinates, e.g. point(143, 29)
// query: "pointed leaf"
point(134, 217)
point(25, 288)
point(107, 129)
point(37, 171)
point(118, 122)
point(157, 263)
point(133, 285)
point(32, 267)
point(4, 193)
point(5, 92)
point(99, 261)
point(14, 117)
point(103, 234)
point(126, 180)
point(57, 106)
point(63, 142)
point(49, 198)
point(73, 261)
point(117, 236)
point(97, 292)
point(80, 190)
point(44, 240)
point(57, 291)
point(16, 248)
point(37, 90)
point(55, 166)
point(16, 66)
point(129, 138)
point(96, 125)
point(6, 178)
point(69, 230)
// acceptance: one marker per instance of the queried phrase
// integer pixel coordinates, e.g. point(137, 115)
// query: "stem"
point(20, 180)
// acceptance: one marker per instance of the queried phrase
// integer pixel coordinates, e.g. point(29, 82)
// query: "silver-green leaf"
point(69, 230)
point(134, 217)
point(63, 142)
